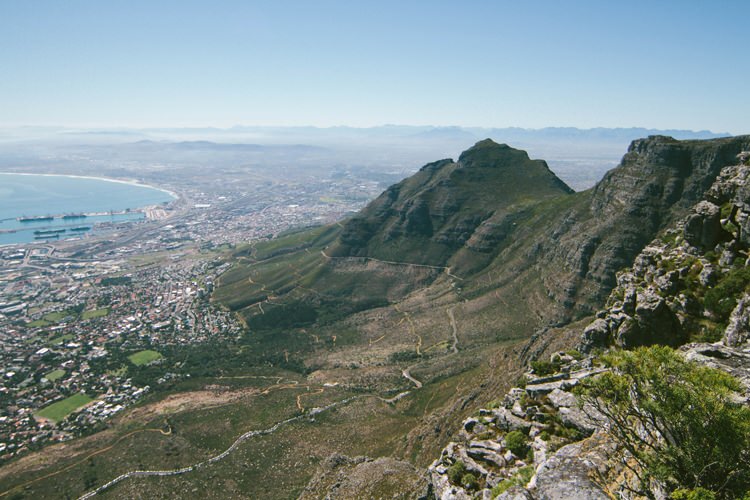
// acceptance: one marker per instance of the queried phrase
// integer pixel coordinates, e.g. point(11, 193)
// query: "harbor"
point(76, 216)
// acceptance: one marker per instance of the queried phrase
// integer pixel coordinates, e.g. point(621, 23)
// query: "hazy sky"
point(660, 64)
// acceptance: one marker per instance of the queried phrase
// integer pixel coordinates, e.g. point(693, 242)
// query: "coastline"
point(130, 182)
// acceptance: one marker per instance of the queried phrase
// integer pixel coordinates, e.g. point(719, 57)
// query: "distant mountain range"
point(403, 132)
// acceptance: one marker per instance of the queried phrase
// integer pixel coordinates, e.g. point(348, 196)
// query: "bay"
point(31, 195)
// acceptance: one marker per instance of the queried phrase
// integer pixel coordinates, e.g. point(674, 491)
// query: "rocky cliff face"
point(654, 185)
point(495, 205)
point(538, 441)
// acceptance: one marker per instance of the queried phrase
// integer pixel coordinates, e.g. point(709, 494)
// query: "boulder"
point(703, 227)
point(581, 419)
point(738, 330)
point(488, 456)
point(595, 335)
point(560, 398)
point(654, 323)
point(707, 276)
point(732, 360)
point(505, 420)
point(569, 474)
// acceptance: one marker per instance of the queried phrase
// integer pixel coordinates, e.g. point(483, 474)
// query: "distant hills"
point(383, 132)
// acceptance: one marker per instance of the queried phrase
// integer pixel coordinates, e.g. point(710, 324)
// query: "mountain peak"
point(437, 211)
point(489, 143)
point(488, 152)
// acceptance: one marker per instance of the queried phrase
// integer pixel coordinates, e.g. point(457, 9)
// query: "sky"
point(532, 64)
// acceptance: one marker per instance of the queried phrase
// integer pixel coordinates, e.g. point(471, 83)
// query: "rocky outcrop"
point(738, 331)
point(681, 284)
point(733, 360)
point(664, 298)
point(653, 187)
point(703, 227)
point(535, 444)
point(568, 473)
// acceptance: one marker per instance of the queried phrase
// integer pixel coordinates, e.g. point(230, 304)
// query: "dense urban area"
point(84, 322)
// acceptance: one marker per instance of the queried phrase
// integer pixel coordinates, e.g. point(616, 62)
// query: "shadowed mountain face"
point(448, 205)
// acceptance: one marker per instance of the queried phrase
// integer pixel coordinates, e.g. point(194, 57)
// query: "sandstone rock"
point(707, 276)
point(738, 330)
point(729, 359)
point(567, 474)
point(470, 463)
point(505, 420)
point(703, 227)
point(470, 423)
point(597, 334)
point(536, 390)
point(560, 398)
point(488, 456)
point(629, 300)
point(668, 282)
point(580, 419)
point(515, 493)
point(487, 444)
point(654, 323)
point(727, 258)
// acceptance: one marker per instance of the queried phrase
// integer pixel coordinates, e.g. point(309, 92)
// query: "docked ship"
point(55, 236)
point(74, 216)
point(49, 231)
point(43, 218)
point(81, 228)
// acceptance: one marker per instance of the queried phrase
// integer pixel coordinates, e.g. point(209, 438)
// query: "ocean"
point(33, 196)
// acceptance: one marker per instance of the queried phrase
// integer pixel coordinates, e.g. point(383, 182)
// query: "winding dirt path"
point(416, 382)
point(445, 269)
point(452, 318)
point(220, 456)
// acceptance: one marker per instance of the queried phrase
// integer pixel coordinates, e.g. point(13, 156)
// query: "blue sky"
point(665, 64)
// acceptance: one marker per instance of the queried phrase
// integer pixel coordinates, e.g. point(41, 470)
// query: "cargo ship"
point(43, 218)
point(74, 216)
point(81, 228)
point(49, 231)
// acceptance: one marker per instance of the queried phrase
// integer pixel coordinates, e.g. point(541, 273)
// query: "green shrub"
point(520, 478)
point(516, 441)
point(694, 494)
point(469, 481)
point(722, 298)
point(574, 354)
point(651, 389)
point(456, 472)
point(543, 368)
